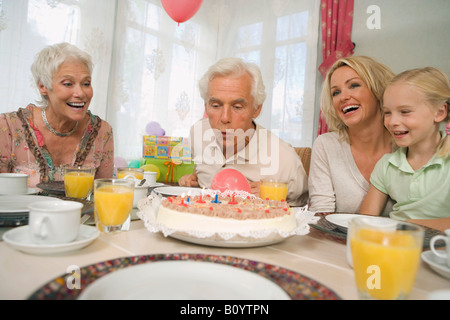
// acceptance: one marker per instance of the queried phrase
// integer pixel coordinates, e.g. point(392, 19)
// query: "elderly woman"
point(343, 159)
point(41, 141)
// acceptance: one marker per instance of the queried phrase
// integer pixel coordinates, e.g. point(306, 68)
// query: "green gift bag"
point(171, 156)
point(171, 171)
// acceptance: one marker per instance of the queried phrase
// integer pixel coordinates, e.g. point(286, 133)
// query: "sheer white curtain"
point(281, 37)
point(26, 26)
point(147, 66)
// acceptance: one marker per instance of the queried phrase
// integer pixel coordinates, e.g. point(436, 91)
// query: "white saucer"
point(33, 191)
point(443, 294)
point(19, 238)
point(29, 191)
point(436, 263)
point(342, 220)
point(19, 203)
point(156, 185)
point(177, 191)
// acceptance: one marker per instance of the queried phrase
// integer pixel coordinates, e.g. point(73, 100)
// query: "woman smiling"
point(41, 141)
point(343, 159)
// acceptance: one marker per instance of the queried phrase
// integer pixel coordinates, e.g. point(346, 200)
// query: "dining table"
point(318, 259)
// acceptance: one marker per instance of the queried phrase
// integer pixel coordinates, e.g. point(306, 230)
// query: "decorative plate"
point(296, 286)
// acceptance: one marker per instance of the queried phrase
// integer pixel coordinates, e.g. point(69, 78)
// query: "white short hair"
point(235, 67)
point(49, 59)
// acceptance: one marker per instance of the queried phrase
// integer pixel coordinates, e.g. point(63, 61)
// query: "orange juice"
point(273, 190)
point(385, 262)
point(122, 174)
point(78, 184)
point(113, 204)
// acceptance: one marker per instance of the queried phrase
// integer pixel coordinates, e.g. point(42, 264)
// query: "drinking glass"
point(138, 173)
point(78, 182)
point(113, 203)
point(272, 189)
point(385, 257)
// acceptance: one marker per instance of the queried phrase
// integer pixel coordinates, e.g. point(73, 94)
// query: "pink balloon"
point(230, 179)
point(181, 10)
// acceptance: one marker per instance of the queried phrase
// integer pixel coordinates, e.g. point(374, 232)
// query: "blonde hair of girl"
point(435, 86)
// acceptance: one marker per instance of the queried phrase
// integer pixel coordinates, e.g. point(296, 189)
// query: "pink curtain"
point(337, 22)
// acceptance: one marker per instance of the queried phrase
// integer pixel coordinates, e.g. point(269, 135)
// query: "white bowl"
point(13, 183)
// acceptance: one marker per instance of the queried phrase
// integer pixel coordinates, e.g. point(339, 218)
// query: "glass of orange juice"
point(386, 257)
point(113, 203)
point(138, 173)
point(272, 189)
point(78, 182)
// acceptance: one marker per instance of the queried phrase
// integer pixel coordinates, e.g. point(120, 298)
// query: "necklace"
point(59, 134)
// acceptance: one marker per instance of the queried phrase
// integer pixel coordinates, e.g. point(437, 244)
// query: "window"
point(156, 67)
point(283, 43)
point(147, 66)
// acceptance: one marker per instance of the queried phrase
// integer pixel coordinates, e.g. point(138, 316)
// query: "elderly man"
point(234, 93)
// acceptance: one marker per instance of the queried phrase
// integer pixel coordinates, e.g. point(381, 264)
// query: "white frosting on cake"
point(228, 216)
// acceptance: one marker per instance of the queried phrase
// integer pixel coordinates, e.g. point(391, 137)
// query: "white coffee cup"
point(54, 222)
point(150, 177)
point(13, 183)
point(445, 254)
point(140, 192)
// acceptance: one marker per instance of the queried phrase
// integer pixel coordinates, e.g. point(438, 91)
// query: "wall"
point(413, 33)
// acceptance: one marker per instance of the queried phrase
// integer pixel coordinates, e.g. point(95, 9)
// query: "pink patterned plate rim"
point(297, 286)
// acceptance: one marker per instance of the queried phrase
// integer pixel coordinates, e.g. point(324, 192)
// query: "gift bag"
point(171, 155)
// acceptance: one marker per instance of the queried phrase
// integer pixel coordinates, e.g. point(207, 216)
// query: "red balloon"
point(230, 179)
point(181, 10)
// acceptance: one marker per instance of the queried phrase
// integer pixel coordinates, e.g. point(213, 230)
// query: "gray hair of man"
point(235, 67)
point(48, 60)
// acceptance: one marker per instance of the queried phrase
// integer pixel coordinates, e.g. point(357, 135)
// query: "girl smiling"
point(417, 175)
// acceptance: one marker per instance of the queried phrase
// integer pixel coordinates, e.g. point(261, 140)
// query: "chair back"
point(305, 156)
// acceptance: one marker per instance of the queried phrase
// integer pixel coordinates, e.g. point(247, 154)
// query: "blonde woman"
point(343, 159)
point(417, 175)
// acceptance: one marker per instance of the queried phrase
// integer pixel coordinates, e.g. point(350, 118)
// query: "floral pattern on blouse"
point(23, 150)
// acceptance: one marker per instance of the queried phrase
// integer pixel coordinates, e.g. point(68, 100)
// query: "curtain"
point(337, 22)
point(147, 66)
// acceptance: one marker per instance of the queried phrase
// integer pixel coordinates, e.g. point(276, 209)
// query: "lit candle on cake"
point(182, 203)
point(201, 197)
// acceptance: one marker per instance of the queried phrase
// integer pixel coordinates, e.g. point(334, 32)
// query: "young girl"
point(417, 175)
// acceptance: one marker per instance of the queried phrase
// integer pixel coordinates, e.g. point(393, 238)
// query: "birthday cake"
point(224, 219)
point(225, 214)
